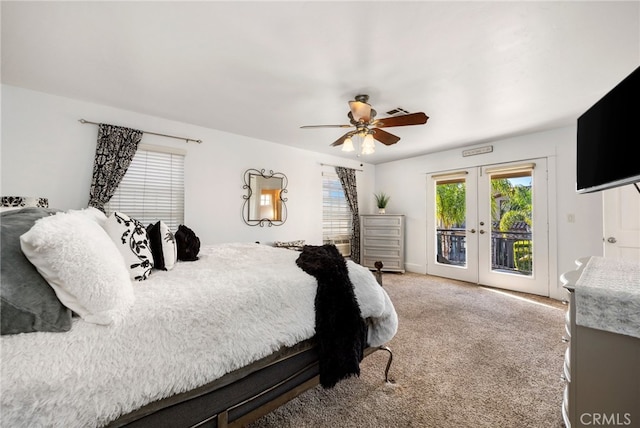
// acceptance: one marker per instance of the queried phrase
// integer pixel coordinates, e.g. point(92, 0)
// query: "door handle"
point(472, 231)
point(612, 240)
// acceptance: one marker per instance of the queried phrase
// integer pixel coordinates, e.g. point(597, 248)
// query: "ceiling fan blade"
point(404, 120)
point(340, 140)
point(384, 137)
point(326, 126)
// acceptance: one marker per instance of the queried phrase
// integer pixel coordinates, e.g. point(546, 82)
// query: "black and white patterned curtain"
point(115, 150)
point(347, 178)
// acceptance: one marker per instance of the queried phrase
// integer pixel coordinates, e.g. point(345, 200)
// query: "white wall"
point(406, 182)
point(46, 152)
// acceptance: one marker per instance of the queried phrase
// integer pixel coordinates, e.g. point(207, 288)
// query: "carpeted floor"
point(464, 356)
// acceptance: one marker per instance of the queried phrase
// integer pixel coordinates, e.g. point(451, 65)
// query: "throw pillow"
point(82, 264)
point(163, 246)
point(92, 213)
point(9, 203)
point(188, 244)
point(28, 303)
point(131, 238)
point(292, 245)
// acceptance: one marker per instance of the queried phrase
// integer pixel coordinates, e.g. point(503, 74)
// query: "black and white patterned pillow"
point(132, 240)
point(295, 245)
point(8, 203)
point(163, 246)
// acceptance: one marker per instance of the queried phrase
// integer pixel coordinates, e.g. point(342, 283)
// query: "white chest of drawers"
point(601, 366)
point(382, 239)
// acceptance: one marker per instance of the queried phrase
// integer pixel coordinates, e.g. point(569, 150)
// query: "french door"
point(488, 225)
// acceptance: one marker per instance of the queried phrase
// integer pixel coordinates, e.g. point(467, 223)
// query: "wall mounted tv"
point(609, 137)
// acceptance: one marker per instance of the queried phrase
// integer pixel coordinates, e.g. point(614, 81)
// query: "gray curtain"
point(115, 150)
point(347, 178)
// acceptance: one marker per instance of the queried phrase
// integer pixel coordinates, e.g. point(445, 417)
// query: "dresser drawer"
point(565, 407)
point(379, 232)
point(374, 252)
point(382, 243)
point(388, 263)
point(567, 364)
point(382, 221)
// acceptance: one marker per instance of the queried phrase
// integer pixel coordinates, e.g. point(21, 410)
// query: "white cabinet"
point(602, 362)
point(382, 239)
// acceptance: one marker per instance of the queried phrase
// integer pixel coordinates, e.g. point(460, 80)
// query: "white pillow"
point(163, 246)
point(92, 213)
point(82, 265)
point(131, 238)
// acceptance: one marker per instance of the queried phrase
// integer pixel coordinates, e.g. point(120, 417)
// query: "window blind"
point(153, 187)
point(336, 214)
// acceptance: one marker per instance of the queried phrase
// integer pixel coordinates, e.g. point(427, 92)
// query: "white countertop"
point(608, 295)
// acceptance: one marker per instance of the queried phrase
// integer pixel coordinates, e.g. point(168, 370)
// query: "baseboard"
point(416, 268)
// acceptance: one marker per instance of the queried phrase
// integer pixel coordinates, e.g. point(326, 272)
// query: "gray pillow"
point(28, 303)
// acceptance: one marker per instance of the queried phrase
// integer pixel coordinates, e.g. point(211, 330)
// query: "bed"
point(218, 341)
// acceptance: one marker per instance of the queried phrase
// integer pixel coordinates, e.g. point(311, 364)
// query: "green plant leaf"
point(382, 199)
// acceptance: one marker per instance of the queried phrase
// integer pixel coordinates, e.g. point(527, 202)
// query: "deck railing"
point(510, 251)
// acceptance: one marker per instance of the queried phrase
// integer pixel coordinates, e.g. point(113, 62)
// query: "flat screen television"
point(609, 138)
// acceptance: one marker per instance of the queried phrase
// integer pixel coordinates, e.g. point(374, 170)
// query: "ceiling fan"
point(362, 118)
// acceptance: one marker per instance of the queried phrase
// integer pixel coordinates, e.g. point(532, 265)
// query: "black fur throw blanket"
point(340, 329)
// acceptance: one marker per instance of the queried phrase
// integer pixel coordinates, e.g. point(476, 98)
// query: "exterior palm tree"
point(450, 204)
point(515, 204)
point(450, 212)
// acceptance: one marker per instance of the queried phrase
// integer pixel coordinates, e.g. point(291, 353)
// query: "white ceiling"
point(480, 70)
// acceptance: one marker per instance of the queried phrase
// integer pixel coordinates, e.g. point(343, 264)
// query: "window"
point(153, 187)
point(336, 214)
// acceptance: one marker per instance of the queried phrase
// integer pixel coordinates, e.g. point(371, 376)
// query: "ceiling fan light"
point(347, 146)
point(368, 141)
point(368, 146)
point(368, 150)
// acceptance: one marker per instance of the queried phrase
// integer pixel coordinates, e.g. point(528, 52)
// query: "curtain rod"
point(327, 164)
point(152, 133)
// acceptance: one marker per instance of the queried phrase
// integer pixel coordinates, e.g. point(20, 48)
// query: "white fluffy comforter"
point(188, 327)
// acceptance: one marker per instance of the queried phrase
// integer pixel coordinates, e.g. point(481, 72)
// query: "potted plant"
point(382, 200)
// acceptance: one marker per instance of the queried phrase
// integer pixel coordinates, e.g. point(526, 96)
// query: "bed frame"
point(242, 396)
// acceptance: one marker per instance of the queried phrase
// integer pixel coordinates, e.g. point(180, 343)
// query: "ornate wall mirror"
point(264, 202)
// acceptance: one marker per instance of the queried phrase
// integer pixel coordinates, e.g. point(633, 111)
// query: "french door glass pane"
point(511, 222)
point(451, 214)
